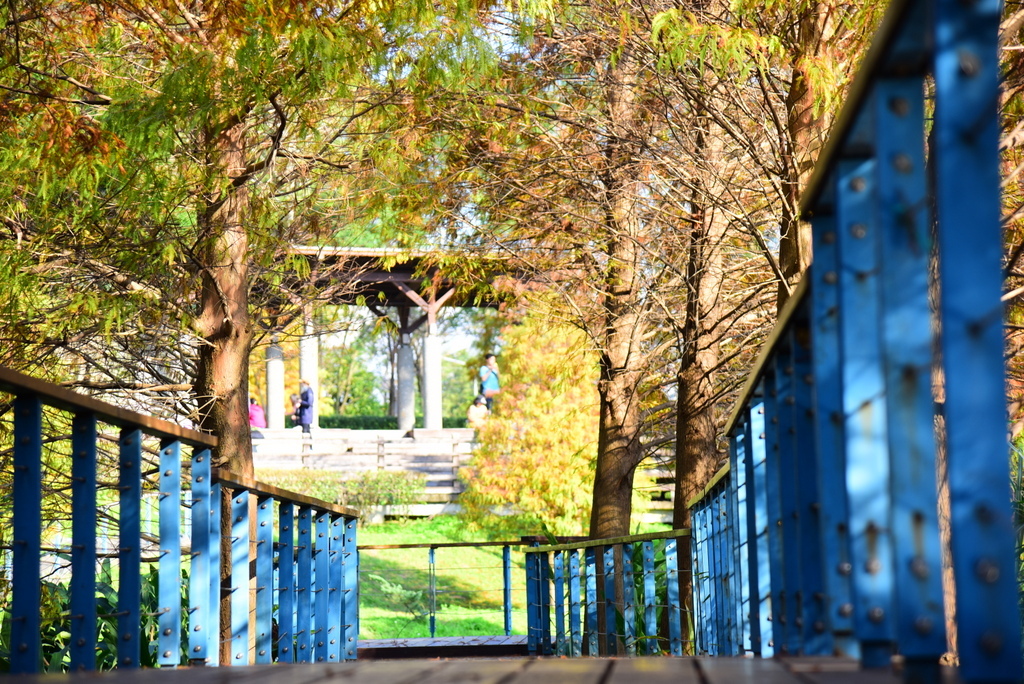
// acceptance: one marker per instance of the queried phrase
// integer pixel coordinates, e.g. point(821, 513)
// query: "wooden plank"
point(559, 671)
point(739, 670)
point(479, 672)
point(872, 676)
point(654, 671)
point(821, 664)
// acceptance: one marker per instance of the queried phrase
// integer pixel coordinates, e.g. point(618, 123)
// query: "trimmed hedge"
point(376, 422)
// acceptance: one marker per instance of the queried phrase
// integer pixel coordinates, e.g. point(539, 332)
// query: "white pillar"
point(406, 385)
point(432, 380)
point(309, 366)
point(275, 405)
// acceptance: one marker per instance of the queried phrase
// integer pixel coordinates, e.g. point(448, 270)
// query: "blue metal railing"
point(826, 524)
point(617, 596)
point(294, 558)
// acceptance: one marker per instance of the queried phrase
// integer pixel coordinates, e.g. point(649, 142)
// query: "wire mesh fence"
point(442, 590)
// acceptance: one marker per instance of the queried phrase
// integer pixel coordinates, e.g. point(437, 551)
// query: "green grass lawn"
point(394, 583)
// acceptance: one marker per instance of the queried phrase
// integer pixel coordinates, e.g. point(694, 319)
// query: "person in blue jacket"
point(490, 383)
point(304, 413)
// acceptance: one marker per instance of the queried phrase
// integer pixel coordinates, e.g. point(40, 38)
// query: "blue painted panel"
point(534, 587)
point(830, 437)
point(130, 556)
point(203, 570)
point(558, 570)
point(240, 578)
point(590, 588)
point(789, 497)
point(760, 565)
point(286, 582)
point(628, 600)
point(27, 530)
point(610, 614)
point(650, 599)
point(723, 545)
point(169, 590)
point(575, 630)
point(321, 587)
point(967, 190)
point(864, 410)
point(304, 588)
point(335, 597)
point(213, 589)
point(773, 504)
point(733, 580)
point(701, 579)
point(351, 589)
point(545, 604)
point(675, 607)
point(264, 579)
point(905, 220)
point(82, 646)
point(816, 637)
point(739, 458)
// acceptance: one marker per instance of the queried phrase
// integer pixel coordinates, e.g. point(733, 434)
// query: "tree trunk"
point(619, 447)
point(696, 422)
point(222, 383)
point(805, 128)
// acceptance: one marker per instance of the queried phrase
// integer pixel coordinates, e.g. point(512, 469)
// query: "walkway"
point(717, 670)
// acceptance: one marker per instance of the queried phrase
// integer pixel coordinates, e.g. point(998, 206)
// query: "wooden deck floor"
point(514, 671)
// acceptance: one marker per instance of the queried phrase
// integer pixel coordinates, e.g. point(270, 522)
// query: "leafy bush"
point(55, 634)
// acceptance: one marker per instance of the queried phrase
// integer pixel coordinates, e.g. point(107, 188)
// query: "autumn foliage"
point(535, 461)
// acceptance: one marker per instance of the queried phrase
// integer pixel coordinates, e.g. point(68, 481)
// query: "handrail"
point(611, 541)
point(822, 535)
point(190, 519)
point(60, 397)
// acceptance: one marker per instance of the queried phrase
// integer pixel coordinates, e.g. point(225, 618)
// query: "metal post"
point(130, 555)
point(967, 192)
point(506, 567)
point(202, 572)
point(27, 501)
point(559, 581)
point(650, 600)
point(590, 570)
point(675, 608)
point(350, 590)
point(82, 646)
point(610, 612)
point(286, 582)
point(575, 631)
point(322, 574)
point(864, 410)
point(432, 569)
point(240, 578)
point(264, 578)
point(304, 587)
point(169, 590)
point(334, 589)
point(628, 600)
point(830, 444)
